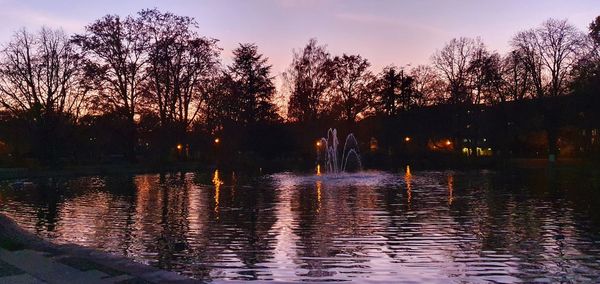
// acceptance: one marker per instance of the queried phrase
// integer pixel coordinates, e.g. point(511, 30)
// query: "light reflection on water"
point(369, 226)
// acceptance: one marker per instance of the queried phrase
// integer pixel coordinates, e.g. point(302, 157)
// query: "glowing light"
point(318, 143)
point(406, 139)
point(179, 146)
point(450, 189)
point(448, 142)
point(408, 181)
point(319, 185)
point(217, 140)
point(217, 182)
point(319, 169)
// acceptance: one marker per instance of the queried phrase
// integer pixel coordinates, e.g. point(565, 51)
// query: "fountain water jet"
point(328, 150)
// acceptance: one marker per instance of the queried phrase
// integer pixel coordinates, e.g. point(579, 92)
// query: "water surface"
point(418, 226)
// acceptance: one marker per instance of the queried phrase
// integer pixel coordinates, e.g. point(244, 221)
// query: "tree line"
point(150, 83)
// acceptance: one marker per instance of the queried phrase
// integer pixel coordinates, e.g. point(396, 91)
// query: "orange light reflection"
point(408, 181)
point(450, 188)
point(217, 182)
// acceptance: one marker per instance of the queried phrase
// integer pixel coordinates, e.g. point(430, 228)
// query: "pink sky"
point(385, 32)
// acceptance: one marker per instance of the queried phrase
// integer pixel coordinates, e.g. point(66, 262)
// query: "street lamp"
point(406, 139)
point(217, 140)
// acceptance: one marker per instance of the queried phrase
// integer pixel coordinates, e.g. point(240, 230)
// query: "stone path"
point(28, 266)
point(26, 258)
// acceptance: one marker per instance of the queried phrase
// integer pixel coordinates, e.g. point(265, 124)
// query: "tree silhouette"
point(549, 53)
point(180, 67)
point(516, 77)
point(428, 86)
point(40, 73)
point(117, 54)
point(394, 92)
point(42, 82)
point(250, 86)
point(485, 76)
point(453, 61)
point(309, 77)
point(352, 89)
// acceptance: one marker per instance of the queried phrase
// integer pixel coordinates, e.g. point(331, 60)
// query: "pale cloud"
point(368, 19)
point(296, 3)
point(14, 18)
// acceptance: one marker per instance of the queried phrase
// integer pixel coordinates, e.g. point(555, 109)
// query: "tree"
point(219, 107)
point(42, 82)
point(351, 86)
point(484, 84)
point(250, 86)
point(453, 62)
point(394, 92)
point(586, 72)
point(387, 96)
point(181, 63)
point(586, 82)
point(549, 53)
point(117, 53)
point(308, 78)
point(40, 75)
point(485, 76)
point(427, 86)
point(516, 77)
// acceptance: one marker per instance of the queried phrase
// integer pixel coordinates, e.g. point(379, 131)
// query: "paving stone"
point(20, 279)
point(95, 274)
point(8, 270)
point(46, 269)
point(85, 265)
point(120, 279)
point(134, 280)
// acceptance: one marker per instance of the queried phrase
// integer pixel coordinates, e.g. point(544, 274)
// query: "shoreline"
point(522, 163)
point(16, 173)
point(15, 239)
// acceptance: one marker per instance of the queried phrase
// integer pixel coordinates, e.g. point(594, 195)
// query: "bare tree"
point(181, 63)
point(117, 54)
point(453, 62)
point(352, 86)
point(516, 76)
point(428, 86)
point(116, 50)
point(42, 84)
point(550, 53)
point(308, 78)
point(41, 75)
point(485, 76)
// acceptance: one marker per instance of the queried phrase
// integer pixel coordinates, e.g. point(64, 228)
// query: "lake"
point(422, 226)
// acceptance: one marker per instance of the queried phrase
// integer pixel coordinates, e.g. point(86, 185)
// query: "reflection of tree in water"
point(327, 220)
point(239, 222)
point(44, 199)
point(511, 225)
point(508, 219)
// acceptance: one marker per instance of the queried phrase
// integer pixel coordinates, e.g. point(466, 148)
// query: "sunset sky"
point(385, 32)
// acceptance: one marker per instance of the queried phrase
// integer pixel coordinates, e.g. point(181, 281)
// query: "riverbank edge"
point(18, 173)
point(10, 231)
point(491, 164)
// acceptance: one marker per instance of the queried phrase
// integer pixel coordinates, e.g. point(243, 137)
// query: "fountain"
point(327, 150)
